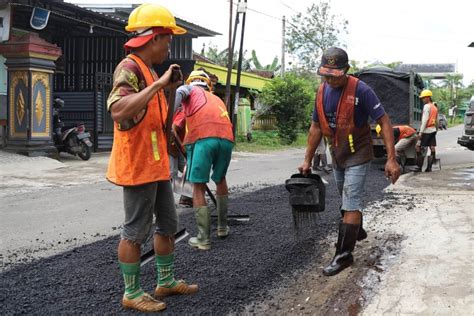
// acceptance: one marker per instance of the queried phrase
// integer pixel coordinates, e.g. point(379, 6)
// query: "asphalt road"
point(60, 225)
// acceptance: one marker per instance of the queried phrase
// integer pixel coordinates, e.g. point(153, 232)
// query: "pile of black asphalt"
point(258, 256)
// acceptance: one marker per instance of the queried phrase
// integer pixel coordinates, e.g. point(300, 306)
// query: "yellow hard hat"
point(426, 93)
point(150, 15)
point(199, 78)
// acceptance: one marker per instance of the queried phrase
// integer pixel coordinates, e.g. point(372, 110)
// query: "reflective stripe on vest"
point(211, 120)
point(139, 155)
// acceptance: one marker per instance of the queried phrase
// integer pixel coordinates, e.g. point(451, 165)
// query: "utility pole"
point(230, 58)
point(241, 8)
point(283, 46)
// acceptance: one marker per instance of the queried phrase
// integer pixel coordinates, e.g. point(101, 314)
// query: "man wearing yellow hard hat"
point(139, 160)
point(209, 141)
point(427, 132)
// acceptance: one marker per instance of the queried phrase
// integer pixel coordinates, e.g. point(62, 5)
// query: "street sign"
point(39, 18)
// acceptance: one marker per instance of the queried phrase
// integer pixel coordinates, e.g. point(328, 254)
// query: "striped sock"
point(131, 278)
point(165, 270)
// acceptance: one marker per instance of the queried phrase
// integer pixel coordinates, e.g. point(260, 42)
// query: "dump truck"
point(399, 94)
point(467, 138)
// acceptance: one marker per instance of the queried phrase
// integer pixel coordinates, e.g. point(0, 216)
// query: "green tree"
point(394, 64)
point(447, 92)
point(453, 83)
point(274, 66)
point(309, 34)
point(288, 98)
point(467, 92)
point(220, 57)
point(358, 65)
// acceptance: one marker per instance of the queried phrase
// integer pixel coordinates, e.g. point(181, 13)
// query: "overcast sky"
point(411, 31)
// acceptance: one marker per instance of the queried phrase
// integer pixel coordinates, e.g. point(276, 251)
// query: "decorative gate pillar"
point(30, 62)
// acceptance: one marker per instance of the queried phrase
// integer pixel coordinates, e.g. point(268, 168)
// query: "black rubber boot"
point(362, 233)
point(431, 159)
point(419, 162)
point(345, 245)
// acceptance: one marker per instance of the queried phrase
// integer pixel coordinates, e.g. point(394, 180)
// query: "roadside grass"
point(455, 122)
point(264, 141)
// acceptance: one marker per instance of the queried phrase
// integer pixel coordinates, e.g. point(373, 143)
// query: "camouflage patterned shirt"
point(128, 79)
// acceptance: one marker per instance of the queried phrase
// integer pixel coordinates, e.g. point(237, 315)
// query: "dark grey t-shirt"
point(367, 104)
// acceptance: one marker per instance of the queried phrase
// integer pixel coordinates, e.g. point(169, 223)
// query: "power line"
point(279, 19)
point(289, 7)
point(262, 13)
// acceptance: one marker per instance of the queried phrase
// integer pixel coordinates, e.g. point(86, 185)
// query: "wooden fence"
point(264, 123)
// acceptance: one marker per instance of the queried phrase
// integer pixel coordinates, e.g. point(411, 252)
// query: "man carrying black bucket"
point(343, 106)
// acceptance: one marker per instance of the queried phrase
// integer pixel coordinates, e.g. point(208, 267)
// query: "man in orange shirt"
point(428, 129)
point(405, 139)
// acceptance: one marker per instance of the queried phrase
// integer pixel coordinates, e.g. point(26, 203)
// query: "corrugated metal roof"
point(247, 80)
point(117, 17)
point(120, 12)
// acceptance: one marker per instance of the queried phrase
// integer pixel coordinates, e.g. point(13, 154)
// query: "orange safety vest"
point(139, 155)
point(211, 120)
point(433, 116)
point(405, 131)
point(349, 145)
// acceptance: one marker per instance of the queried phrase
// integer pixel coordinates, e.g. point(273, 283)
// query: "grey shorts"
point(141, 202)
point(350, 184)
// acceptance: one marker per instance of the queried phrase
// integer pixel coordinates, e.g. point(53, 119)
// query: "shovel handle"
point(213, 198)
point(169, 117)
point(208, 191)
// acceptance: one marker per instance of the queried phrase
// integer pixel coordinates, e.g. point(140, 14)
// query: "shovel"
point(150, 254)
point(183, 187)
point(436, 165)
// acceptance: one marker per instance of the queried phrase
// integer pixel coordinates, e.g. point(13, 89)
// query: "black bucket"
point(307, 193)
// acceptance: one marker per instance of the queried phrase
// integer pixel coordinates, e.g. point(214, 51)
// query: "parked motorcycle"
point(74, 140)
